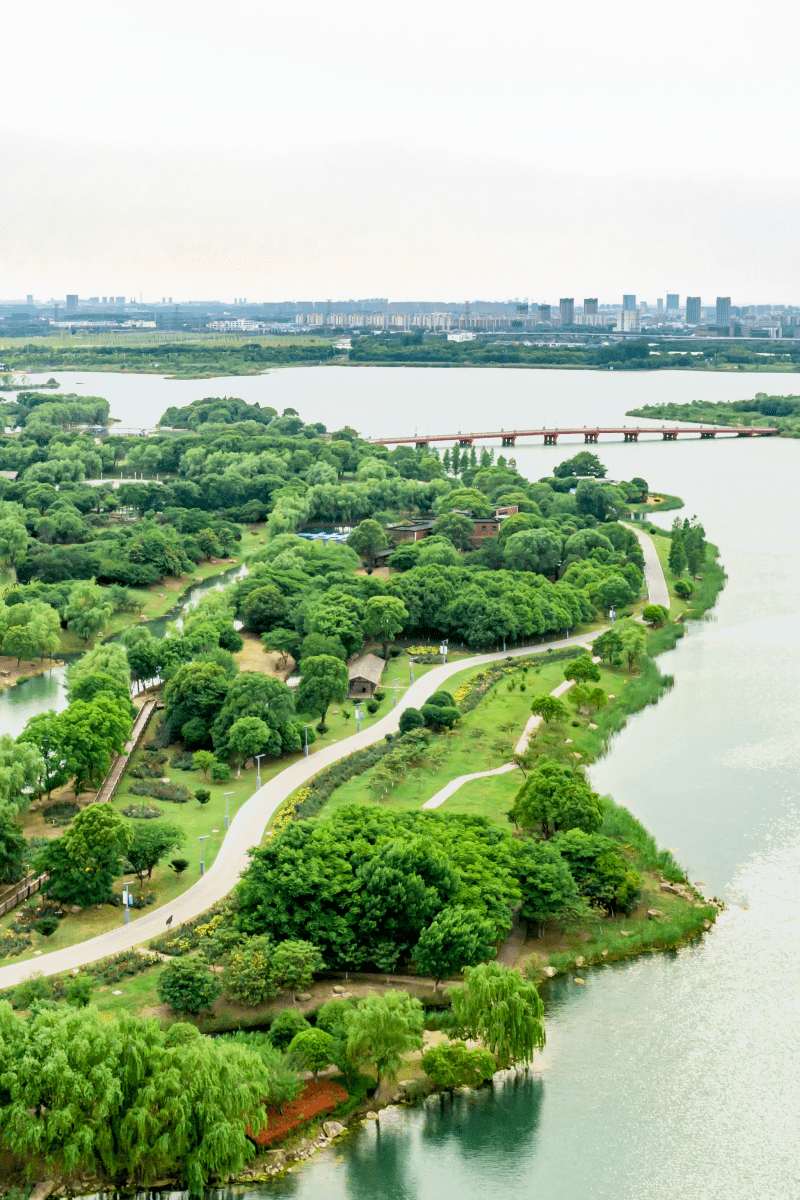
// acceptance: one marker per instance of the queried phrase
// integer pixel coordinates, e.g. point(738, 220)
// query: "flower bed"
point(142, 812)
point(318, 1097)
point(161, 791)
point(111, 970)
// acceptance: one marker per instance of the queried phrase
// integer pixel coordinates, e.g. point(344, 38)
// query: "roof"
point(369, 666)
point(9, 474)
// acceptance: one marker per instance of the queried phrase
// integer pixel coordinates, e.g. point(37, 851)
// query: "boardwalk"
point(590, 435)
point(657, 590)
point(111, 781)
point(248, 827)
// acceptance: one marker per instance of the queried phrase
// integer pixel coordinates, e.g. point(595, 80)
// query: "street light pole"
point(226, 794)
point(258, 769)
point(125, 900)
point(202, 853)
point(306, 728)
point(394, 685)
point(443, 652)
point(411, 667)
point(359, 718)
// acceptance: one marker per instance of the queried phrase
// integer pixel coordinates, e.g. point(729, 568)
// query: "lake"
point(674, 1075)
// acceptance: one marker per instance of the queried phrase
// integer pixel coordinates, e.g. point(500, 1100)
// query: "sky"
point(439, 151)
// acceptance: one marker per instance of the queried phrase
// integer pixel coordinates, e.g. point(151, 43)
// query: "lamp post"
point(258, 769)
point(306, 728)
point(443, 652)
point(126, 899)
point(202, 853)
point(394, 685)
point(411, 662)
point(226, 794)
point(359, 718)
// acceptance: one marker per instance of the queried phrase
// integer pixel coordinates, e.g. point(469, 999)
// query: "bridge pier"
point(669, 435)
point(509, 439)
point(465, 441)
point(591, 437)
point(550, 439)
point(419, 445)
point(710, 433)
point(631, 435)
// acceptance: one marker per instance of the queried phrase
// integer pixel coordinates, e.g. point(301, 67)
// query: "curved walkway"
point(657, 590)
point(248, 826)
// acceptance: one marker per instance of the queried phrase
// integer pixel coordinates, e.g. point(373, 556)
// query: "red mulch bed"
point(316, 1098)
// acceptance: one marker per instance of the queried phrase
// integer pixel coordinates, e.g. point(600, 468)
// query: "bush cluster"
point(161, 791)
point(142, 812)
point(120, 966)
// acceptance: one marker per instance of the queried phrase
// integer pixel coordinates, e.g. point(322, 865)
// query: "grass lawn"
point(677, 605)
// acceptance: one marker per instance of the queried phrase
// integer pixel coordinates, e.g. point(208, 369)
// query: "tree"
point(86, 860)
point(684, 588)
point(457, 937)
point(13, 847)
point(285, 1025)
point(250, 978)
point(367, 539)
point(498, 1007)
point(108, 659)
point(380, 1031)
point(152, 840)
point(196, 692)
point(13, 541)
point(264, 609)
point(634, 641)
point(188, 985)
point(252, 694)
point(609, 645)
point(451, 1065)
point(655, 614)
point(456, 528)
point(537, 550)
point(314, 1048)
point(552, 798)
point(549, 708)
point(411, 718)
point(614, 592)
point(282, 641)
point(695, 548)
point(91, 733)
point(294, 964)
point(440, 716)
point(384, 618)
point(88, 612)
point(21, 768)
point(203, 761)
point(546, 881)
point(143, 652)
point(582, 670)
point(325, 681)
point(677, 560)
point(582, 463)
point(246, 737)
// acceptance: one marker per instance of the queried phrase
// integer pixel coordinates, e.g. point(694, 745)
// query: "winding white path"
point(248, 827)
point(657, 590)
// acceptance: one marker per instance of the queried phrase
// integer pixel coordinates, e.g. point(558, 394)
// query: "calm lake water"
point(675, 1075)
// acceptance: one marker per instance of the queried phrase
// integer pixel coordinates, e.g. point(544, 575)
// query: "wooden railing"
point(10, 897)
point(120, 762)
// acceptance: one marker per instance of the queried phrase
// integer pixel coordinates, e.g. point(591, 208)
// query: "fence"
point(111, 781)
point(12, 896)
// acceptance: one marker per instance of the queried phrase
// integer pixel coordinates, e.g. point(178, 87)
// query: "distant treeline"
point(173, 358)
point(782, 411)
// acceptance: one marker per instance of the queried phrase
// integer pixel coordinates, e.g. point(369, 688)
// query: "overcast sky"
point(439, 151)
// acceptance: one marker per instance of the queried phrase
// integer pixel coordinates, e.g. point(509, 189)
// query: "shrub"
point(142, 812)
point(372, 707)
point(35, 987)
point(313, 1048)
point(78, 991)
point(60, 813)
point(202, 795)
point(182, 761)
point(248, 979)
point(46, 925)
point(655, 614)
point(220, 772)
point(174, 792)
point(684, 588)
point(187, 985)
point(179, 865)
point(119, 966)
point(411, 718)
point(453, 1065)
point(379, 694)
point(285, 1026)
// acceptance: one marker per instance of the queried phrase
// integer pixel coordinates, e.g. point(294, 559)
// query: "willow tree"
point(500, 1008)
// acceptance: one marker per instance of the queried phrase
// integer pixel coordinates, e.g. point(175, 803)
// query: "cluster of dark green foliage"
point(780, 411)
point(175, 792)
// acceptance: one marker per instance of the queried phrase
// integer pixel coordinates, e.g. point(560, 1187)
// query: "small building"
point(365, 675)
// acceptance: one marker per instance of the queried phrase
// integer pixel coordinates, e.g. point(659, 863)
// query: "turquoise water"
point(674, 1076)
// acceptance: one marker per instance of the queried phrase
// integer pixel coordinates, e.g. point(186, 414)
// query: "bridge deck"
point(588, 432)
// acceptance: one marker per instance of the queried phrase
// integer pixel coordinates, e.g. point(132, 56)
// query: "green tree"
point(614, 592)
point(13, 541)
point(537, 550)
point(456, 528)
point(677, 560)
point(325, 681)
point(552, 798)
point(285, 1025)
point(152, 841)
point(264, 609)
point(203, 761)
point(498, 1007)
point(246, 737)
point(582, 670)
point(21, 768)
point(87, 612)
point(384, 618)
point(634, 642)
point(549, 708)
point(457, 937)
point(381, 1030)
point(13, 847)
point(282, 641)
point(92, 733)
point(294, 964)
point(367, 539)
point(548, 888)
point(108, 659)
point(609, 645)
point(250, 977)
point(655, 614)
point(451, 1065)
point(86, 860)
point(582, 463)
point(314, 1048)
point(188, 985)
point(411, 718)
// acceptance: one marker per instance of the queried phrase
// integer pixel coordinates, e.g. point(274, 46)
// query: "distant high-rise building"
point(72, 303)
point(628, 321)
point(723, 310)
point(693, 316)
point(120, 300)
point(29, 300)
point(660, 307)
point(629, 304)
point(566, 311)
point(590, 307)
point(544, 314)
point(673, 301)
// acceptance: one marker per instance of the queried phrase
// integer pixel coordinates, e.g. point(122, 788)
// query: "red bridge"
point(508, 437)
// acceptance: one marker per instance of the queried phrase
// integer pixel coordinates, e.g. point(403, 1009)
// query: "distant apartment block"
point(629, 304)
point(693, 315)
point(673, 302)
point(544, 314)
point(72, 303)
point(629, 321)
point(590, 306)
point(723, 315)
point(566, 311)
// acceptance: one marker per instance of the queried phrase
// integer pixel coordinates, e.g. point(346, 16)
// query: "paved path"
point(248, 827)
point(657, 590)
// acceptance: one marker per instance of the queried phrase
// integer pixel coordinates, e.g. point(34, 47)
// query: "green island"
point(373, 949)
point(204, 356)
point(782, 412)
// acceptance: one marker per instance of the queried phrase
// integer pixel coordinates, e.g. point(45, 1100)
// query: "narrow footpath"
point(247, 828)
point(657, 590)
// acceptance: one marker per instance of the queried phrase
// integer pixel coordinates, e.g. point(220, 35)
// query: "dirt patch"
point(378, 572)
point(253, 657)
point(11, 672)
point(318, 1097)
